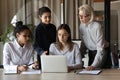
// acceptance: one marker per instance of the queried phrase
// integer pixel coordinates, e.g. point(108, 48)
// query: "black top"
point(44, 35)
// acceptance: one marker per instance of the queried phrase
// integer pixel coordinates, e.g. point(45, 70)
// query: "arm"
point(100, 47)
point(77, 58)
point(37, 42)
point(82, 46)
point(7, 58)
point(31, 59)
point(52, 49)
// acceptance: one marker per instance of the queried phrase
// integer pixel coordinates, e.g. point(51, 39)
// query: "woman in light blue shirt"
point(18, 54)
point(65, 46)
point(92, 37)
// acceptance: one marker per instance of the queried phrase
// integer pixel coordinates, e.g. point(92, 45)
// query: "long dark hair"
point(69, 41)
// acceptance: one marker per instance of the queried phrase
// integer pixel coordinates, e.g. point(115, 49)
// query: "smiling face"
point(45, 17)
point(63, 36)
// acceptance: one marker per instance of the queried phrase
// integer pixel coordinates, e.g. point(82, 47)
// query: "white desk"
point(107, 74)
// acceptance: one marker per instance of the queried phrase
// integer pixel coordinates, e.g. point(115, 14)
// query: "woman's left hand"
point(35, 65)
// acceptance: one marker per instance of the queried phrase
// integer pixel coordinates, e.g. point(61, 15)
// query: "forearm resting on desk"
point(77, 66)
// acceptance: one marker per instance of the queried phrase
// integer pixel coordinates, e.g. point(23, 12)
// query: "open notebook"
point(54, 63)
point(94, 72)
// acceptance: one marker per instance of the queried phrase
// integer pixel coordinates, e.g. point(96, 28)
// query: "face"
point(46, 17)
point(84, 18)
point(23, 37)
point(63, 36)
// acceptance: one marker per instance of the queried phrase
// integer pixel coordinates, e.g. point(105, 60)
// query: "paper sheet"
point(10, 72)
point(31, 71)
point(89, 72)
point(10, 69)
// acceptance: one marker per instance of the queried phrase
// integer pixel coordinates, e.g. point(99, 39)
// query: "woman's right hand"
point(22, 68)
point(90, 68)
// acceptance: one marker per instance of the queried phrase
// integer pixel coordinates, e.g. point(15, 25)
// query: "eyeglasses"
point(83, 16)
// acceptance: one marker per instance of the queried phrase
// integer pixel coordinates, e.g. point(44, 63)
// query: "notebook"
point(54, 63)
point(10, 70)
point(94, 72)
point(31, 71)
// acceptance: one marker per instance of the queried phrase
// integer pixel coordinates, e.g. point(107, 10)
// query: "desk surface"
point(106, 74)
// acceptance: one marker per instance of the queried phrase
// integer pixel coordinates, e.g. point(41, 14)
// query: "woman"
point(44, 34)
point(65, 46)
point(92, 36)
point(18, 54)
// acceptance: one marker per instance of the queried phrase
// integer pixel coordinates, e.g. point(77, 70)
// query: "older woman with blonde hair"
point(92, 36)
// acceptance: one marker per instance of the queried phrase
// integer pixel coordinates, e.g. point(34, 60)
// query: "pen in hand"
point(34, 66)
point(30, 64)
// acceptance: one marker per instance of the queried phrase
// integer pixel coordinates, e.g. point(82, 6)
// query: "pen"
point(30, 64)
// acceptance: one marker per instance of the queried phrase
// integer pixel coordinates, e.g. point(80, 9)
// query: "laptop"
point(54, 63)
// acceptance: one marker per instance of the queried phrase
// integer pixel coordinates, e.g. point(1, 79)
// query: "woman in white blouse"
point(18, 54)
point(92, 36)
point(65, 46)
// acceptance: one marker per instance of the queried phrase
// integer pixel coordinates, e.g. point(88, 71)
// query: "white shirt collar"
point(18, 45)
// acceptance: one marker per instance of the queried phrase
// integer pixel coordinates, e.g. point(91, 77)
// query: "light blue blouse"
point(74, 59)
point(92, 37)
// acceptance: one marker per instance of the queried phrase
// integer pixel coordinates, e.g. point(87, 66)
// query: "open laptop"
point(54, 63)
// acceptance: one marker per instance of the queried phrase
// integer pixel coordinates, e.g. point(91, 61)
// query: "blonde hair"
point(87, 10)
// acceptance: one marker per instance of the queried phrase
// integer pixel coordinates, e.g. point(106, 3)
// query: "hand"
point(70, 68)
point(90, 68)
point(35, 65)
point(22, 68)
point(45, 52)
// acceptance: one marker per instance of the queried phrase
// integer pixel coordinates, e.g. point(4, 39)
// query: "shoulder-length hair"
point(69, 41)
point(87, 10)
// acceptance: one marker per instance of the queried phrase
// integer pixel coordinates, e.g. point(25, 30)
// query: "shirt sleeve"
point(100, 47)
point(51, 49)
point(77, 58)
point(37, 40)
point(7, 59)
point(82, 46)
point(31, 59)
